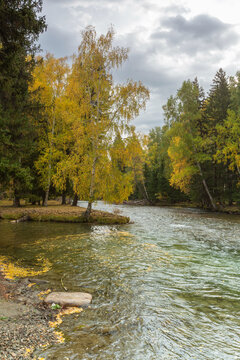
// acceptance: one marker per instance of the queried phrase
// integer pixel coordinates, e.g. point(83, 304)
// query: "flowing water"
point(165, 287)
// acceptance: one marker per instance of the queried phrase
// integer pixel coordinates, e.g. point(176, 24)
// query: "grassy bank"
point(227, 209)
point(60, 213)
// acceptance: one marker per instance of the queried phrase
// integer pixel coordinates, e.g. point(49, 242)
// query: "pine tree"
point(218, 103)
point(20, 26)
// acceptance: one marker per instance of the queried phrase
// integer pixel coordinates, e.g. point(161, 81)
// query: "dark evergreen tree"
point(219, 98)
point(218, 103)
point(20, 26)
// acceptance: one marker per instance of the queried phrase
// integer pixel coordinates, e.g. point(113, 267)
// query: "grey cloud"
point(159, 78)
point(176, 9)
point(57, 2)
point(165, 78)
point(201, 25)
point(140, 64)
point(60, 42)
point(141, 68)
point(199, 33)
point(80, 2)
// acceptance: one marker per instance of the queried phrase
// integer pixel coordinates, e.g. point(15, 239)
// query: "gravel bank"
point(23, 321)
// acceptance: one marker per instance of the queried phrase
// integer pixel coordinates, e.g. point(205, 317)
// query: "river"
point(164, 287)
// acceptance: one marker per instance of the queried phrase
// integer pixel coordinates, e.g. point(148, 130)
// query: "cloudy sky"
point(169, 41)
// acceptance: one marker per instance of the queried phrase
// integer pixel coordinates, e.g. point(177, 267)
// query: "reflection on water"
point(165, 287)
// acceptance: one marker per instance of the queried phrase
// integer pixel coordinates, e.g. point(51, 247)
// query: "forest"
point(66, 127)
point(196, 153)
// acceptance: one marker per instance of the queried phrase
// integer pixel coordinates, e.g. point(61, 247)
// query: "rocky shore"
point(24, 320)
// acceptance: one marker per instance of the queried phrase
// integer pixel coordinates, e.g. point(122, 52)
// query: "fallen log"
point(22, 219)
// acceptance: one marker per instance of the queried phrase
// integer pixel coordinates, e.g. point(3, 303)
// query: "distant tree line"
point(195, 156)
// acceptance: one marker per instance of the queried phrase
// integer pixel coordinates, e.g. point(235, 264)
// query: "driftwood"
point(22, 219)
point(38, 281)
point(142, 202)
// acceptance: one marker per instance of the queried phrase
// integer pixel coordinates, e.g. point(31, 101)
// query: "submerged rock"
point(69, 298)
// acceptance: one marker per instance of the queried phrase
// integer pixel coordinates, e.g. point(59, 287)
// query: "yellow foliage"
point(60, 337)
point(67, 311)
point(99, 160)
point(56, 323)
point(227, 140)
point(29, 351)
point(42, 294)
point(85, 134)
point(183, 168)
point(48, 87)
point(124, 234)
point(12, 271)
point(32, 284)
point(70, 310)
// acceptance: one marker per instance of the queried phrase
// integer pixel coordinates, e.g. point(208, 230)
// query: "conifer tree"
point(20, 26)
point(218, 103)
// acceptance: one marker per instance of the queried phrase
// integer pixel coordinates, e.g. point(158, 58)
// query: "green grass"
point(61, 214)
point(3, 318)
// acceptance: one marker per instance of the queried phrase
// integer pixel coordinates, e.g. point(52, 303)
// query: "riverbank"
point(60, 213)
point(29, 320)
point(24, 320)
point(231, 209)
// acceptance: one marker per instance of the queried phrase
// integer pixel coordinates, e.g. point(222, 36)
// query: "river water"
point(164, 287)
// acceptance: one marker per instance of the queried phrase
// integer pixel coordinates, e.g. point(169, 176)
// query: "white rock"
point(69, 298)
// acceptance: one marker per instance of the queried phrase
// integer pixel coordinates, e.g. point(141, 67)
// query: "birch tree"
point(104, 109)
point(50, 78)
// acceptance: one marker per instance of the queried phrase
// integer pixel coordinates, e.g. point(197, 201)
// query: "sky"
point(168, 41)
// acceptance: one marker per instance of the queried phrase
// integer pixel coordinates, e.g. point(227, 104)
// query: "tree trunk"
point(89, 210)
point(75, 200)
point(230, 188)
point(145, 192)
point(205, 184)
point(238, 169)
point(45, 200)
point(91, 192)
point(64, 198)
point(206, 188)
point(16, 201)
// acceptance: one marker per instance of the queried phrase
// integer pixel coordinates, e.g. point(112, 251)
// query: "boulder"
point(69, 298)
